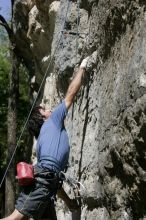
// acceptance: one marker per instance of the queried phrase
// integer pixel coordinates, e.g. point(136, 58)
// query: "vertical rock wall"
point(107, 124)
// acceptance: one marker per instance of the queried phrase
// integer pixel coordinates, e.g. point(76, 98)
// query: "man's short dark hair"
point(35, 122)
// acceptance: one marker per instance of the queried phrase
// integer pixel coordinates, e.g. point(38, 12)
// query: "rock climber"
point(52, 155)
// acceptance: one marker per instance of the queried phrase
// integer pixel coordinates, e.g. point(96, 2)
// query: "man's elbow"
point(68, 103)
point(69, 100)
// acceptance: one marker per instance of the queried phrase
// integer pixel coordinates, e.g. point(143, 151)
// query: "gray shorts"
point(34, 200)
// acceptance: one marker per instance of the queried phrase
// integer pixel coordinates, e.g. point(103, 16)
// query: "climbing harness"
point(48, 178)
point(41, 85)
point(76, 185)
point(73, 182)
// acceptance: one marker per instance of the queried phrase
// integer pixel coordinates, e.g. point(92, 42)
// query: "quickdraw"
point(77, 186)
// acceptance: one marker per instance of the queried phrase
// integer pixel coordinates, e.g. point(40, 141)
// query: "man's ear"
point(42, 111)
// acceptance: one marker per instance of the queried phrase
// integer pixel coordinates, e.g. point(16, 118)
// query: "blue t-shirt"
point(53, 143)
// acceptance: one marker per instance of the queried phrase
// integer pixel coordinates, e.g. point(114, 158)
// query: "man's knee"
point(16, 215)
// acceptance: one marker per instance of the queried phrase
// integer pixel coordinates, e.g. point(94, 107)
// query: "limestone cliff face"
point(107, 124)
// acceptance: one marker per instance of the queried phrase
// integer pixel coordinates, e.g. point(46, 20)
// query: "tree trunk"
point(12, 125)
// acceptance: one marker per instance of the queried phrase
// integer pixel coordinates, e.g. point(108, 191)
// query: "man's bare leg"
point(15, 216)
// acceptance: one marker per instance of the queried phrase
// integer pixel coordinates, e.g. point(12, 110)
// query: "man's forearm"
point(74, 87)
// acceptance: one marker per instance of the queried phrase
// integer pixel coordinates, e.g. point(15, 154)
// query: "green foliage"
point(23, 104)
point(23, 109)
point(4, 71)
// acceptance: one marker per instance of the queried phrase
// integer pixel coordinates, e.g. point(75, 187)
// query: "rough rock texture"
point(107, 124)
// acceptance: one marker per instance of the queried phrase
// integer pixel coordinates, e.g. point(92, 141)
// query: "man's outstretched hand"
point(89, 62)
point(84, 63)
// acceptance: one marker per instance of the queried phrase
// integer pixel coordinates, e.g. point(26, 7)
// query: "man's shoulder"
point(61, 106)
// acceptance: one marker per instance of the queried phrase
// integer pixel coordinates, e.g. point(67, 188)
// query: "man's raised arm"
point(75, 84)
